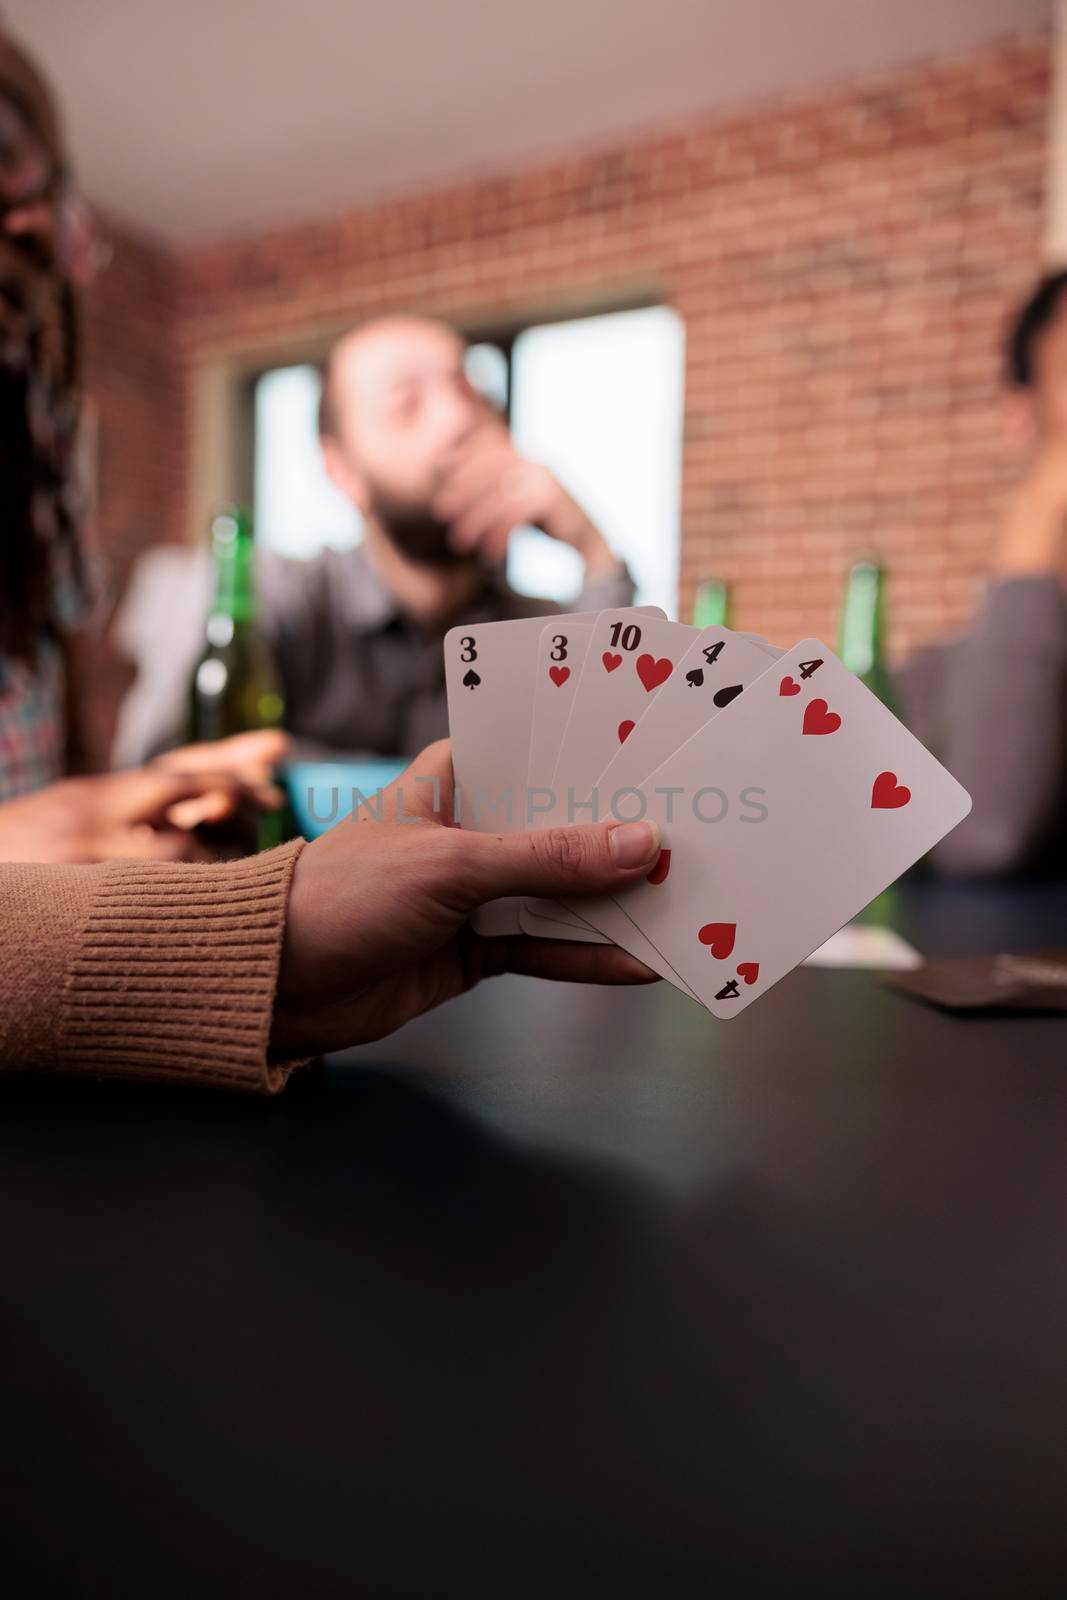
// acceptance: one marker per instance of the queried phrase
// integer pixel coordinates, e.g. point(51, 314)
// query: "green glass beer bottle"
point(711, 608)
point(235, 686)
point(860, 644)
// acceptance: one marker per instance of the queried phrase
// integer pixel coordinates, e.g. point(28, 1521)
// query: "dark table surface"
point(559, 1291)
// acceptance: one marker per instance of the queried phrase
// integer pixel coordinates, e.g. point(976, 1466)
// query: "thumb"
point(590, 859)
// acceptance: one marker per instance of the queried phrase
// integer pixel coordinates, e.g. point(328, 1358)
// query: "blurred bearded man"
point(357, 634)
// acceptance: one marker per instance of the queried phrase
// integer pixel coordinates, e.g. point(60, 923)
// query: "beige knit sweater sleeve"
point(139, 969)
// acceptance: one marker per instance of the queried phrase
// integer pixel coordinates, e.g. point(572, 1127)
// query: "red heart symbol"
point(719, 936)
point(749, 970)
point(610, 661)
point(652, 672)
point(559, 675)
point(818, 718)
point(660, 870)
point(887, 793)
point(788, 686)
point(625, 730)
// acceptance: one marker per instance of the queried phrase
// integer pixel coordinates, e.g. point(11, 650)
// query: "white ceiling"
point(203, 118)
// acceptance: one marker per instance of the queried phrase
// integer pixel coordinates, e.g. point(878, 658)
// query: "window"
point(599, 399)
point(299, 510)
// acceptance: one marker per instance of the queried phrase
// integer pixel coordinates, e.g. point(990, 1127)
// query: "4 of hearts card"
point(784, 816)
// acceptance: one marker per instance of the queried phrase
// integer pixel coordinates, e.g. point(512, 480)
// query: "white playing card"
point(557, 670)
point(711, 675)
point(822, 798)
point(556, 673)
point(542, 927)
point(488, 673)
point(544, 918)
point(626, 665)
point(627, 662)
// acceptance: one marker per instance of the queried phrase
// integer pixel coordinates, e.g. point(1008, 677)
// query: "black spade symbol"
point(695, 678)
point(724, 696)
point(471, 679)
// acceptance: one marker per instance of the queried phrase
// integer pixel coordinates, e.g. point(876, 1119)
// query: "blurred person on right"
point(994, 704)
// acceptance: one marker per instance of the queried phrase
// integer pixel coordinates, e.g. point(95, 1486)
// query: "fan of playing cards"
point(788, 795)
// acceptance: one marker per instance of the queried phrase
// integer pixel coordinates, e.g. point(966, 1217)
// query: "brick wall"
point(843, 266)
point(133, 380)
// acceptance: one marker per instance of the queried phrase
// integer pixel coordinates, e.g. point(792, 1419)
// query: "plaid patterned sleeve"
point(33, 734)
point(33, 723)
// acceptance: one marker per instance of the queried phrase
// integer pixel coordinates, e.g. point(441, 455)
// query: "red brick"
point(844, 265)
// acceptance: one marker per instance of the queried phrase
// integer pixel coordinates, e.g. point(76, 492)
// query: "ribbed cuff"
point(175, 973)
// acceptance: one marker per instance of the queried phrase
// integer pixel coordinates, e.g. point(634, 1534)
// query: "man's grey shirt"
point(359, 677)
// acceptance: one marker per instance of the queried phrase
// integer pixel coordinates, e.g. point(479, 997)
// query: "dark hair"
point(1030, 322)
point(38, 418)
point(23, 582)
point(35, 465)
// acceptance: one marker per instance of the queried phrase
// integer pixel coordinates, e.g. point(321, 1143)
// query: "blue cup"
point(323, 793)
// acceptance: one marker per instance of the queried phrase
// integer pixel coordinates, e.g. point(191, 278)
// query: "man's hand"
point(249, 758)
point(489, 490)
point(144, 814)
point(377, 926)
point(1034, 537)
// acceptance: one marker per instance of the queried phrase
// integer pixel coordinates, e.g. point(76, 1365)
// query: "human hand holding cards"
point(788, 795)
point(490, 672)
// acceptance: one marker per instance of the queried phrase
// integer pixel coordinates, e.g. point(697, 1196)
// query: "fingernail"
point(632, 844)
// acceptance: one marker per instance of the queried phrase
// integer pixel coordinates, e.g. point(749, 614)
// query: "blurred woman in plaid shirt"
point(48, 582)
point(46, 246)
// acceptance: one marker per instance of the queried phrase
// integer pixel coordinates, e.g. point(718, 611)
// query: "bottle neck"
point(711, 608)
point(860, 645)
point(235, 588)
